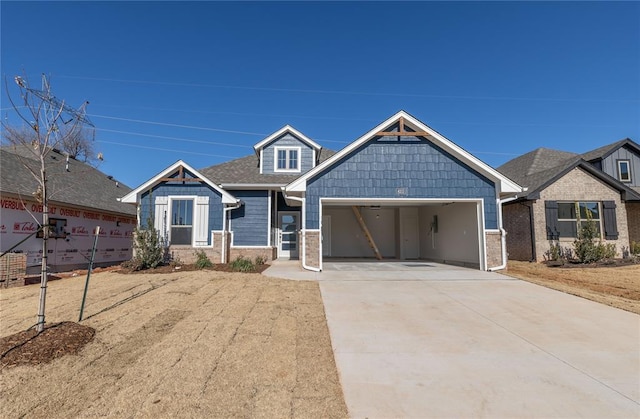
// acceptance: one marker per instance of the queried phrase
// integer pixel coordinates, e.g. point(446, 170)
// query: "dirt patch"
point(617, 285)
point(179, 344)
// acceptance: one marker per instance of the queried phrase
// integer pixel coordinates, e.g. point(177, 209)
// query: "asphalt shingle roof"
point(246, 170)
point(542, 166)
point(602, 152)
point(82, 185)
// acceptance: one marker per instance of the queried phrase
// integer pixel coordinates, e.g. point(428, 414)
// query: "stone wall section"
point(633, 220)
point(312, 248)
point(516, 221)
point(578, 185)
point(494, 248)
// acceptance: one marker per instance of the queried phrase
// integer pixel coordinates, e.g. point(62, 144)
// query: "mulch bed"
point(32, 348)
point(609, 263)
point(165, 269)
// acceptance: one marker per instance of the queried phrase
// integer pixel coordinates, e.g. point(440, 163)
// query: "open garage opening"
point(447, 232)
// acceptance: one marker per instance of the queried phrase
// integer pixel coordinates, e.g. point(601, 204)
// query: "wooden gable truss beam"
point(181, 177)
point(402, 132)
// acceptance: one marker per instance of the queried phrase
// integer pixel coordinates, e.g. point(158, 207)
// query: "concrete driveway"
point(428, 340)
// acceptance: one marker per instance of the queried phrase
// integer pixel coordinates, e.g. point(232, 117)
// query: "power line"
point(173, 138)
point(166, 149)
point(346, 92)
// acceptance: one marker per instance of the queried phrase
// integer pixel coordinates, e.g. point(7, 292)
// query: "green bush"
point(588, 246)
point(242, 264)
point(635, 248)
point(202, 260)
point(148, 248)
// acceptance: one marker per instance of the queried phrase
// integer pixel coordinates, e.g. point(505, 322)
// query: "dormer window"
point(287, 159)
point(624, 171)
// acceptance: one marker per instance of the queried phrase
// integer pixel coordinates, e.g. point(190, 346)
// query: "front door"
point(288, 224)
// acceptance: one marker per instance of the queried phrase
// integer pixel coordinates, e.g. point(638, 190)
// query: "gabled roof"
point(605, 151)
point(282, 131)
point(245, 171)
point(541, 167)
point(132, 197)
point(535, 161)
point(81, 185)
point(506, 186)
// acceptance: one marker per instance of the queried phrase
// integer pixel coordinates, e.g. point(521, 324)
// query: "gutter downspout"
point(226, 210)
point(304, 249)
point(503, 236)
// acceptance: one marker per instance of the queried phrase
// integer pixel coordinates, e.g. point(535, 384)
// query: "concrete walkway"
point(428, 340)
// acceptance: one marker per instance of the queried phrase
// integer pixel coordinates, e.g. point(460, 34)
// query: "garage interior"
point(444, 232)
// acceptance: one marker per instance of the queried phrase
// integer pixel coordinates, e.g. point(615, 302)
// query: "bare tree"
point(47, 124)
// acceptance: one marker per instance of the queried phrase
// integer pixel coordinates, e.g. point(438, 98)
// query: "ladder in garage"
point(363, 226)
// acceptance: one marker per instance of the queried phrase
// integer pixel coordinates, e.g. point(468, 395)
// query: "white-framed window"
point(573, 215)
point(287, 159)
point(181, 221)
point(624, 171)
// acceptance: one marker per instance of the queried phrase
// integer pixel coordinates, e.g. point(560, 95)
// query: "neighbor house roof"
point(245, 171)
point(604, 151)
point(72, 182)
point(541, 167)
point(505, 185)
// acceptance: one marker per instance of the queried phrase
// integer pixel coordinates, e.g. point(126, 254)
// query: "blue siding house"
point(401, 191)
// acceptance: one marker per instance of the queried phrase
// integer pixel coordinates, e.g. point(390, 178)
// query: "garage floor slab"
point(441, 341)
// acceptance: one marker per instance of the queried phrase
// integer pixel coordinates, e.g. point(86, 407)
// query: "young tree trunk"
point(45, 240)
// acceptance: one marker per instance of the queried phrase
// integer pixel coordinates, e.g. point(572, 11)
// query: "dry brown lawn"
point(184, 344)
point(617, 286)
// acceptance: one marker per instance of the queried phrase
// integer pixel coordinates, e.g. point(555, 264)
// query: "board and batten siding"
point(610, 165)
point(250, 222)
point(409, 168)
point(287, 140)
point(148, 203)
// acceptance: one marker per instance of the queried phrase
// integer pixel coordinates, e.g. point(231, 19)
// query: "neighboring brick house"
point(81, 198)
point(562, 188)
point(401, 191)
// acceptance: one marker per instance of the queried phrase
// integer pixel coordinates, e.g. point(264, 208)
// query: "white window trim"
point(193, 216)
point(287, 148)
point(628, 162)
point(579, 220)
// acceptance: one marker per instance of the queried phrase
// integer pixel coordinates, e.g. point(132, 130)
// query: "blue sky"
point(205, 81)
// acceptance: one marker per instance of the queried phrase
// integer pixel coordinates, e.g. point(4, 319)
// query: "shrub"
point(242, 264)
point(260, 260)
point(635, 248)
point(148, 248)
point(588, 246)
point(202, 260)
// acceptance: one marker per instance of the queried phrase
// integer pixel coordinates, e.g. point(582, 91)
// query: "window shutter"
point(609, 218)
point(160, 215)
point(551, 215)
point(201, 225)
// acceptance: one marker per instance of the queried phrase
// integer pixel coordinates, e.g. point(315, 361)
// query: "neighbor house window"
point(181, 221)
point(624, 171)
point(287, 159)
point(573, 215)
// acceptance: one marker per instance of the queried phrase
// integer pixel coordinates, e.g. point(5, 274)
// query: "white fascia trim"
point(132, 197)
point(284, 130)
point(261, 161)
point(504, 184)
point(395, 201)
point(252, 186)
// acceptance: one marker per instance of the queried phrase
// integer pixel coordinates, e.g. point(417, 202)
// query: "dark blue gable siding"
point(410, 168)
point(250, 222)
point(147, 201)
point(287, 140)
